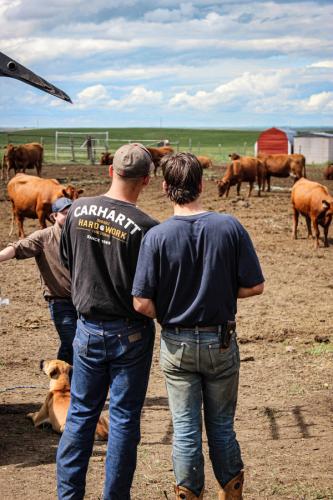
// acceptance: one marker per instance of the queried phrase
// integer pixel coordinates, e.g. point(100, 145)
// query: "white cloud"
point(322, 102)
point(139, 97)
point(322, 64)
point(91, 96)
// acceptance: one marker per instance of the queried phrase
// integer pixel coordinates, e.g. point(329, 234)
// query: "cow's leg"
point(316, 230)
point(259, 180)
point(250, 188)
point(42, 215)
point(295, 222)
point(20, 220)
point(308, 224)
point(268, 183)
point(227, 191)
point(238, 188)
point(326, 234)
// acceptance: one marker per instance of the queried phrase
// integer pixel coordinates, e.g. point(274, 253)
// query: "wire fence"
point(87, 147)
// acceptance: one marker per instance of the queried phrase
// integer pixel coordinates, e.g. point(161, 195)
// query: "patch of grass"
point(318, 350)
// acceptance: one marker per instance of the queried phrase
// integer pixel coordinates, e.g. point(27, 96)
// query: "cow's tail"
point(12, 225)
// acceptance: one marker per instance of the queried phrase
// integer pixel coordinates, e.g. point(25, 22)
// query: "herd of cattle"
point(32, 196)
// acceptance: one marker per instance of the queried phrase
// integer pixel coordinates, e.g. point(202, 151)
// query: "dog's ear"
point(54, 373)
point(41, 364)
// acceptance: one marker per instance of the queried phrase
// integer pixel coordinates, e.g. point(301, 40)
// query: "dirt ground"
point(284, 416)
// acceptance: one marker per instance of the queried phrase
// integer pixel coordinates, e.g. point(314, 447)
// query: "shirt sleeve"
point(249, 270)
point(146, 276)
point(31, 246)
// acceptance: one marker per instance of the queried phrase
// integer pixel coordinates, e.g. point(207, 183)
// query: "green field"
point(214, 143)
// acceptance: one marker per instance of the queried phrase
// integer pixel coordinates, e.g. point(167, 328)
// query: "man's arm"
point(244, 293)
point(7, 253)
point(144, 306)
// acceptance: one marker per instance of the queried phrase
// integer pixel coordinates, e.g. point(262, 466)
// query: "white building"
point(316, 147)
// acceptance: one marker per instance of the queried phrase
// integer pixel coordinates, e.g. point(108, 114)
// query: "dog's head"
point(58, 371)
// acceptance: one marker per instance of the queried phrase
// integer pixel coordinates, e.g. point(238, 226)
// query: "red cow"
point(32, 197)
point(205, 161)
point(25, 156)
point(157, 154)
point(243, 169)
point(328, 173)
point(282, 165)
point(312, 200)
point(106, 159)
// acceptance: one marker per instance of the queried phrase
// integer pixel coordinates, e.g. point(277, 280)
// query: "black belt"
point(225, 331)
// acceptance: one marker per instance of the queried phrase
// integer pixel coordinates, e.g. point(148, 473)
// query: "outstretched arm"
point(7, 254)
point(144, 306)
point(244, 293)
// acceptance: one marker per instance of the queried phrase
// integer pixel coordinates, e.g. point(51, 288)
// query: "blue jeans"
point(64, 317)
point(113, 355)
point(197, 372)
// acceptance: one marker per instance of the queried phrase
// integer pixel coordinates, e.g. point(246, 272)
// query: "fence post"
point(220, 151)
point(190, 145)
point(245, 144)
point(71, 142)
point(199, 146)
point(90, 152)
point(56, 146)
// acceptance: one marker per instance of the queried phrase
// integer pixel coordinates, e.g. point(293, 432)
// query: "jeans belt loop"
point(177, 329)
point(196, 329)
point(219, 329)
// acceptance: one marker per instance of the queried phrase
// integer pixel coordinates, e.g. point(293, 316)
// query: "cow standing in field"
point(312, 200)
point(241, 169)
point(32, 197)
point(282, 165)
point(205, 161)
point(157, 154)
point(106, 159)
point(328, 173)
point(25, 156)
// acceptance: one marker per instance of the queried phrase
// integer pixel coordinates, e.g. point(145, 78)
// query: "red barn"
point(275, 141)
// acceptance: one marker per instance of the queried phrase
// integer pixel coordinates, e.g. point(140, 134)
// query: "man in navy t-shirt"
point(191, 270)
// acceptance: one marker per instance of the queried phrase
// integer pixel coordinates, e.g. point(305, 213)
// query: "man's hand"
point(144, 306)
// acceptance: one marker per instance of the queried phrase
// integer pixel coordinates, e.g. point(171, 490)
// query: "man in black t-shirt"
point(191, 270)
point(113, 343)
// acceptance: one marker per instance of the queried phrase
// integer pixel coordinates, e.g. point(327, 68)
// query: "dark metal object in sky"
point(12, 69)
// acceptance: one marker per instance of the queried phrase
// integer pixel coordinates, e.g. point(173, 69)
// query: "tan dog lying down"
point(55, 407)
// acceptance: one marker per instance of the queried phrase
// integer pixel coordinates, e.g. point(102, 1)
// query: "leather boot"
point(183, 493)
point(234, 489)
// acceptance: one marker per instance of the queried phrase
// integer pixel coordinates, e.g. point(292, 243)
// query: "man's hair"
point(182, 173)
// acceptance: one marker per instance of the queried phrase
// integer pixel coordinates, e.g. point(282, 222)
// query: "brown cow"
point(312, 200)
point(24, 156)
point(158, 153)
point(282, 165)
point(243, 169)
point(328, 173)
point(106, 159)
point(32, 197)
point(205, 161)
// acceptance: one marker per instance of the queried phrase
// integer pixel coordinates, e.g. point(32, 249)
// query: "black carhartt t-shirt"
point(192, 268)
point(99, 245)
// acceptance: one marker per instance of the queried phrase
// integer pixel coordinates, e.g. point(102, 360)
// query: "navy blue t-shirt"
point(192, 268)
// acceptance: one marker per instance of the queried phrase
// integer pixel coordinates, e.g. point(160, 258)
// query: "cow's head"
point(222, 186)
point(71, 192)
point(234, 156)
point(106, 159)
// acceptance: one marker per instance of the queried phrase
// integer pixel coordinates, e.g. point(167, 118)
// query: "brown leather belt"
point(212, 329)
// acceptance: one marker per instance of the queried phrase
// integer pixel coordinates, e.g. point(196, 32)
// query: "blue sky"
point(167, 63)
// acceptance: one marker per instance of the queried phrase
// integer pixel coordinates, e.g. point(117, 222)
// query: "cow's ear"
point(326, 204)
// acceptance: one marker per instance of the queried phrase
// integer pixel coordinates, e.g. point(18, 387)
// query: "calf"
point(312, 200)
point(244, 169)
point(32, 197)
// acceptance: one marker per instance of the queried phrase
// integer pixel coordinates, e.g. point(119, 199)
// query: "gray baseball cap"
point(60, 204)
point(132, 160)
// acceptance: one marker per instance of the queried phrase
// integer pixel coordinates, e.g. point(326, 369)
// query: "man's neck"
point(193, 208)
point(121, 194)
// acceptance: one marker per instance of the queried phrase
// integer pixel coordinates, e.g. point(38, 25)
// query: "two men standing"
point(190, 272)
